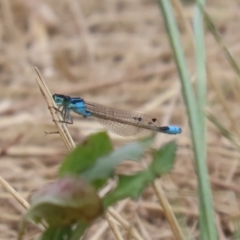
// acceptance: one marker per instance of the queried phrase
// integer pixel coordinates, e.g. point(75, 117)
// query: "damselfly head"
point(61, 99)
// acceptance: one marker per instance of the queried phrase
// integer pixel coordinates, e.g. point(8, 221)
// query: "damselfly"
point(124, 123)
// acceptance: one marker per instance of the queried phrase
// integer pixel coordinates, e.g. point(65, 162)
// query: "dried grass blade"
point(56, 116)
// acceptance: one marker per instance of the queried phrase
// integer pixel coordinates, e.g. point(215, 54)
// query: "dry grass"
point(115, 53)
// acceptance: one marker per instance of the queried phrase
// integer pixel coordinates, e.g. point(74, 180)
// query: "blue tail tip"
point(174, 130)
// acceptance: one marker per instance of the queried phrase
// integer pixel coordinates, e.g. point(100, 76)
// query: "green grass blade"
point(195, 120)
point(201, 91)
point(218, 38)
point(223, 130)
point(200, 59)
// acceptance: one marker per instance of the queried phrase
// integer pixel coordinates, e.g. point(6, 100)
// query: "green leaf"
point(85, 155)
point(128, 186)
point(78, 231)
point(65, 233)
point(65, 202)
point(163, 159)
point(132, 186)
point(105, 166)
point(56, 233)
point(61, 204)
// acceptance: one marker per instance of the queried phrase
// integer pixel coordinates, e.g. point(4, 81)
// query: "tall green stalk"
point(195, 114)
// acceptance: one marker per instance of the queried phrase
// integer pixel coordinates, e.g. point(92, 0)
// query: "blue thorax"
point(78, 106)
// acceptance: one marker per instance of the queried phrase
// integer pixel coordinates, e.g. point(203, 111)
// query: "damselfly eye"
point(58, 99)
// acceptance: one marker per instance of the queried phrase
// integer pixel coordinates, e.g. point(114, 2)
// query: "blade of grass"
point(168, 211)
point(125, 224)
point(201, 88)
point(179, 8)
point(225, 106)
point(113, 227)
point(56, 116)
point(163, 161)
point(194, 115)
point(219, 40)
point(224, 131)
point(14, 193)
point(200, 60)
point(228, 55)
